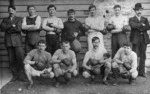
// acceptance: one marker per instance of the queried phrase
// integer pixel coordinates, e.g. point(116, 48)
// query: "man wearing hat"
point(139, 37)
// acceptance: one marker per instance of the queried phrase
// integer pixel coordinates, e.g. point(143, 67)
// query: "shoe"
point(29, 86)
point(57, 84)
point(115, 83)
point(14, 79)
point(106, 83)
point(92, 80)
point(45, 75)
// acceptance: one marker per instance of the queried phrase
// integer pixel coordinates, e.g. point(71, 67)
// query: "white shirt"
point(119, 21)
point(131, 58)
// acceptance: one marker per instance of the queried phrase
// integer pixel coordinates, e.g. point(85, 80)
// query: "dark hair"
point(29, 6)
point(71, 11)
point(127, 44)
point(106, 55)
point(13, 7)
point(50, 6)
point(117, 6)
point(65, 42)
point(95, 38)
point(41, 41)
point(92, 6)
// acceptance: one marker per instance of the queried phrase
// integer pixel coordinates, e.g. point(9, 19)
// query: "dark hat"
point(138, 6)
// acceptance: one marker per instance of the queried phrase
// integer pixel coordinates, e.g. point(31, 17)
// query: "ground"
point(79, 86)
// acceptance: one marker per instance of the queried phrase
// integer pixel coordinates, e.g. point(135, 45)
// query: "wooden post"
point(11, 2)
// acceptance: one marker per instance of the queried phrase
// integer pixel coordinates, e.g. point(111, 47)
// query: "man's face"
point(117, 11)
point(31, 11)
point(71, 16)
point(11, 11)
point(92, 11)
point(139, 12)
point(127, 49)
point(96, 43)
point(41, 46)
point(52, 11)
point(65, 47)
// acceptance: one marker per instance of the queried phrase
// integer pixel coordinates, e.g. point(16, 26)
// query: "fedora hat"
point(138, 6)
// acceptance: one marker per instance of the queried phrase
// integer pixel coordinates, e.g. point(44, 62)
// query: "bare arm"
point(47, 28)
point(85, 61)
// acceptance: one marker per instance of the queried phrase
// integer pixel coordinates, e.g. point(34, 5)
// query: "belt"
point(53, 33)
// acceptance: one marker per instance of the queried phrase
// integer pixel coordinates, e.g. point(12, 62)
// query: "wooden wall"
point(81, 7)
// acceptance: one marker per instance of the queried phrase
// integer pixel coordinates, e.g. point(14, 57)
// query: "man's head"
point(95, 42)
point(11, 10)
point(31, 10)
point(41, 45)
point(127, 48)
point(117, 10)
point(71, 14)
point(65, 46)
point(92, 9)
point(52, 10)
point(138, 9)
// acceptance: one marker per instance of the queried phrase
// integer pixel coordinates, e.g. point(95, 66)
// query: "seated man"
point(125, 63)
point(38, 63)
point(94, 63)
point(65, 63)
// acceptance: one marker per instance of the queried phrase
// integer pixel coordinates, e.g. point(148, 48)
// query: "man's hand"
point(86, 26)
point(143, 24)
point(75, 34)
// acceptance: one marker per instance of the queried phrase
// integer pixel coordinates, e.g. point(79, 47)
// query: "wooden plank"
point(83, 38)
point(146, 5)
point(4, 2)
point(44, 8)
point(4, 58)
point(3, 53)
point(56, 2)
point(84, 44)
point(45, 14)
point(2, 47)
point(4, 64)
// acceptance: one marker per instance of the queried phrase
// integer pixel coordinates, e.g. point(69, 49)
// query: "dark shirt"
point(71, 27)
point(12, 33)
point(32, 37)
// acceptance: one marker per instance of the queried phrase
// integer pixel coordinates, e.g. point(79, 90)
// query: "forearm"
point(48, 29)
point(118, 61)
point(29, 62)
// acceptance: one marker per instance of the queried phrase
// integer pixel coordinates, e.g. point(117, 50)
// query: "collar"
point(72, 21)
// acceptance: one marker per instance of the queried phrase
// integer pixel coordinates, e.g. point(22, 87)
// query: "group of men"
point(53, 58)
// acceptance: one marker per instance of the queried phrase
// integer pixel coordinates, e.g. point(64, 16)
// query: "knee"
point(27, 67)
point(75, 73)
point(52, 75)
point(114, 65)
point(108, 65)
point(134, 74)
point(86, 74)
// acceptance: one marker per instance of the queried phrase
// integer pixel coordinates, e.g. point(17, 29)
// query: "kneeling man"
point(38, 63)
point(94, 63)
point(65, 63)
point(125, 63)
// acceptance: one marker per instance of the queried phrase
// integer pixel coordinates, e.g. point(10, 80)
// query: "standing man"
point(139, 36)
point(118, 36)
point(94, 63)
point(52, 26)
point(95, 26)
point(65, 63)
point(31, 26)
point(37, 63)
point(72, 28)
point(13, 41)
point(125, 63)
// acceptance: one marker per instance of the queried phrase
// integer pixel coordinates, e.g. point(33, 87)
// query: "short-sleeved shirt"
point(60, 55)
point(119, 21)
point(35, 55)
point(131, 58)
